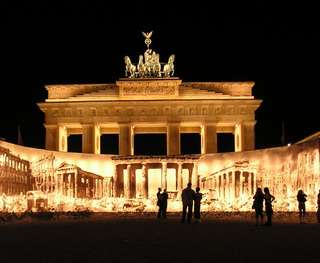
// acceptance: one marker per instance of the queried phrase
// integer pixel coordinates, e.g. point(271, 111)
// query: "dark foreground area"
point(143, 238)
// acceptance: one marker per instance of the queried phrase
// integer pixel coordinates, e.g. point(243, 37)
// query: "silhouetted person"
point(268, 204)
point(188, 195)
point(164, 203)
point(258, 204)
point(197, 204)
point(318, 211)
point(159, 202)
point(301, 197)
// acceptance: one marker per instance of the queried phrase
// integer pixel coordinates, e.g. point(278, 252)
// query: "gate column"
point(125, 139)
point(173, 138)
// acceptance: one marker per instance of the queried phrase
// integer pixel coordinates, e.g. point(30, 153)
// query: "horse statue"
point(168, 69)
point(141, 67)
point(130, 68)
point(156, 69)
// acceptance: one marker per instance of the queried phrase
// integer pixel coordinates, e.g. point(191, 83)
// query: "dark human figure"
point(301, 197)
point(268, 203)
point(258, 205)
point(188, 195)
point(197, 204)
point(159, 202)
point(318, 211)
point(164, 203)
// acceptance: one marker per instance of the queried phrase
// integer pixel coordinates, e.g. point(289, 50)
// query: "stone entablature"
point(144, 111)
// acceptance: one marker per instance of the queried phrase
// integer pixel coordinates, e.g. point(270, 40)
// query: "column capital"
point(124, 124)
point(209, 123)
point(50, 125)
point(85, 125)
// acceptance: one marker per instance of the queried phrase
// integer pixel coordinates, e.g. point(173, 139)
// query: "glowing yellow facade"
point(150, 105)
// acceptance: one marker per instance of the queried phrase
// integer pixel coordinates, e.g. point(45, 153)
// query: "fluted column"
point(127, 182)
point(250, 184)
point(233, 184)
point(76, 184)
point(164, 176)
point(173, 138)
point(87, 138)
point(115, 191)
point(144, 182)
point(249, 143)
point(227, 186)
point(179, 180)
point(96, 139)
point(51, 137)
point(125, 139)
point(244, 136)
point(241, 183)
point(61, 138)
point(195, 177)
point(209, 137)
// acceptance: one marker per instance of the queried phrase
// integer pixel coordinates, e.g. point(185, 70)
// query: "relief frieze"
point(152, 111)
point(147, 91)
point(167, 111)
point(55, 112)
point(93, 112)
point(230, 110)
point(180, 110)
point(68, 112)
point(204, 110)
point(80, 112)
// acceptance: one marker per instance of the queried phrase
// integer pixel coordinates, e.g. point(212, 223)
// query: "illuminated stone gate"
point(150, 101)
point(150, 106)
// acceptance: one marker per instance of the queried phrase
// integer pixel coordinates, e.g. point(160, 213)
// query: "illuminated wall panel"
point(227, 180)
point(154, 181)
point(171, 179)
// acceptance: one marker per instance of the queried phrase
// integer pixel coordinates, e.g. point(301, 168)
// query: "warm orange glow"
point(38, 180)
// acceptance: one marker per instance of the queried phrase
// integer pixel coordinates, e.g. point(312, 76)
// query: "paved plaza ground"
point(143, 238)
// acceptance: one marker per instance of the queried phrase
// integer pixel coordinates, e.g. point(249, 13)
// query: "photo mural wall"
point(40, 180)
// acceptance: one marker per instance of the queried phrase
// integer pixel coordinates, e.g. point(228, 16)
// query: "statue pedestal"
point(148, 88)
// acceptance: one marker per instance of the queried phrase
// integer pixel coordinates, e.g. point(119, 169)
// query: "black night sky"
point(82, 42)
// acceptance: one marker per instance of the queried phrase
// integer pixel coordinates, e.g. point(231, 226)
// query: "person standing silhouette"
point(159, 202)
point(318, 203)
point(188, 195)
point(301, 197)
point(258, 205)
point(197, 204)
point(164, 203)
point(268, 203)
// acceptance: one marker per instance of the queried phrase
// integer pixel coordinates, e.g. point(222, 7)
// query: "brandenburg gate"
point(150, 100)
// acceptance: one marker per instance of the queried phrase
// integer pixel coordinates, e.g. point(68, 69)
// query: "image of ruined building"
point(233, 181)
point(72, 181)
point(15, 174)
point(43, 170)
point(69, 180)
point(140, 176)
